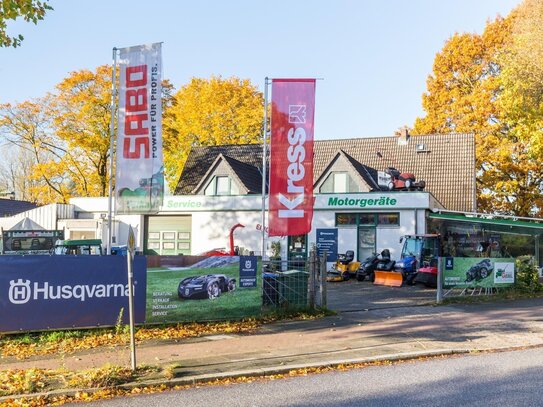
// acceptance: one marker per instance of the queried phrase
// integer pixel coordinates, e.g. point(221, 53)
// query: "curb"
point(273, 370)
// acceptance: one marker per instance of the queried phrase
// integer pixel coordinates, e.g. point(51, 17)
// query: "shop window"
point(337, 183)
point(344, 219)
point(388, 219)
point(366, 219)
point(221, 185)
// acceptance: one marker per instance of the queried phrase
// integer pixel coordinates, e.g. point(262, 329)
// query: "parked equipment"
point(403, 181)
point(418, 259)
point(367, 268)
point(234, 250)
point(384, 272)
point(344, 267)
point(78, 247)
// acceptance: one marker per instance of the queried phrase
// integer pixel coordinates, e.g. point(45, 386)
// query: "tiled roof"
point(446, 162)
point(249, 175)
point(368, 174)
point(10, 207)
point(201, 158)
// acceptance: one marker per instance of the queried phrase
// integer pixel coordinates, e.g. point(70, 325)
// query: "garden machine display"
point(384, 271)
point(344, 268)
point(419, 256)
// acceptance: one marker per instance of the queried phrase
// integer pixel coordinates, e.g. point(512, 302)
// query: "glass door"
point(297, 251)
point(366, 242)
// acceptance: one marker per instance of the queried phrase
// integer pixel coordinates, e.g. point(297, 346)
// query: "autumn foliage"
point(490, 85)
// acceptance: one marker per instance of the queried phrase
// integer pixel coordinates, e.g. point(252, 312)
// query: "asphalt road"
point(494, 379)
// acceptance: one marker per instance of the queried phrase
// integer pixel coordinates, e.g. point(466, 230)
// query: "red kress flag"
point(291, 157)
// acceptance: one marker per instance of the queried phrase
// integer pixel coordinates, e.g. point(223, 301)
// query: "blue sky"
point(374, 55)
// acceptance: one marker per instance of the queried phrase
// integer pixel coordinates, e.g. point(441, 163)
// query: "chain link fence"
point(295, 283)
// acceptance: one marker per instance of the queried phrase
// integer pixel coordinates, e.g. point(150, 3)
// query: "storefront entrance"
point(297, 251)
point(366, 242)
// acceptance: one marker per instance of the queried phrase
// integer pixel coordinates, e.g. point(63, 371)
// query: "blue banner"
point(51, 292)
point(327, 241)
point(247, 271)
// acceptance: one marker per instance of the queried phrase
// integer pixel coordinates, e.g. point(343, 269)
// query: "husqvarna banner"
point(52, 292)
point(139, 181)
point(291, 158)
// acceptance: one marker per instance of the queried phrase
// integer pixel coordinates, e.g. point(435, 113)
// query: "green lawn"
point(164, 304)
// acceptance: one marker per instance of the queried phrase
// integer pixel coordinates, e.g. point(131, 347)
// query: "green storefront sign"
point(362, 202)
point(461, 272)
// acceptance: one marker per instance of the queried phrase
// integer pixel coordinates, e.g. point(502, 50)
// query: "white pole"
point(130, 259)
point(264, 162)
point(111, 142)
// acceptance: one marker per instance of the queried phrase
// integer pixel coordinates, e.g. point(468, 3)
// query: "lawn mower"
point(367, 268)
point(403, 181)
point(344, 267)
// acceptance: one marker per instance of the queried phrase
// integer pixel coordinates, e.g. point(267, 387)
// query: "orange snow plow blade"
point(390, 278)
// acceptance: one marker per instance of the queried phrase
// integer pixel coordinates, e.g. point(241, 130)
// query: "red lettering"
point(136, 76)
point(139, 128)
point(139, 142)
point(136, 100)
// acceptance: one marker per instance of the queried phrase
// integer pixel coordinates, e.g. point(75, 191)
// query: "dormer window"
point(337, 183)
point(221, 185)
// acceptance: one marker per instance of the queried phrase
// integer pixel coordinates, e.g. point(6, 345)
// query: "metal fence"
point(294, 283)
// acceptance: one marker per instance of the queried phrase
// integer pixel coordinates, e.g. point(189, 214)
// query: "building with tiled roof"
point(446, 162)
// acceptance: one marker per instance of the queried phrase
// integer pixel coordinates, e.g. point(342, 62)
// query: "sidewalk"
point(351, 336)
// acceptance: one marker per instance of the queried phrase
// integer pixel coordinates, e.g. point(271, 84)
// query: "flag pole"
point(111, 142)
point(264, 162)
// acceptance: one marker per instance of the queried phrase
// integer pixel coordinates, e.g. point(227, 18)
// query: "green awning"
point(499, 225)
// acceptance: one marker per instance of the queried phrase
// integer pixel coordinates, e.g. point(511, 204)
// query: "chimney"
point(403, 136)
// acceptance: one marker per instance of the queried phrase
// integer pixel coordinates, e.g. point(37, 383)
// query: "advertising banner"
point(461, 272)
point(30, 241)
point(139, 180)
point(215, 288)
point(53, 292)
point(291, 157)
point(327, 241)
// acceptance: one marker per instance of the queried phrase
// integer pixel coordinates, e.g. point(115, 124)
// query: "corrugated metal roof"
point(446, 162)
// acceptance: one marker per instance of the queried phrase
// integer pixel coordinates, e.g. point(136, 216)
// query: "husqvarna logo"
point(19, 291)
point(248, 264)
point(296, 114)
point(22, 291)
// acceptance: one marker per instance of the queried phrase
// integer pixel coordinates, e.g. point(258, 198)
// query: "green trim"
point(517, 224)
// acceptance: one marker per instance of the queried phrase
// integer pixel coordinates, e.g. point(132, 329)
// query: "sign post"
point(129, 259)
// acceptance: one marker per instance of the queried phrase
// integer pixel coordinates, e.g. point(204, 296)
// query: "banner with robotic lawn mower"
point(470, 272)
point(139, 180)
point(189, 288)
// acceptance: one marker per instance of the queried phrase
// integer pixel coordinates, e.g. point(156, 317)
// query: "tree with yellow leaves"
point(210, 112)
point(474, 89)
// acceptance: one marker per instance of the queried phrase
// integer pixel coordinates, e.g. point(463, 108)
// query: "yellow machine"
point(344, 267)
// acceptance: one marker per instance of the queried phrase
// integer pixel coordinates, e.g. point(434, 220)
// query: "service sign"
point(139, 181)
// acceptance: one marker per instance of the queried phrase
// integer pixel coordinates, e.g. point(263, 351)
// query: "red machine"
point(403, 181)
point(222, 252)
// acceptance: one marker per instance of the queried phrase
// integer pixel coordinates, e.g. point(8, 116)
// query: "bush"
point(527, 279)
